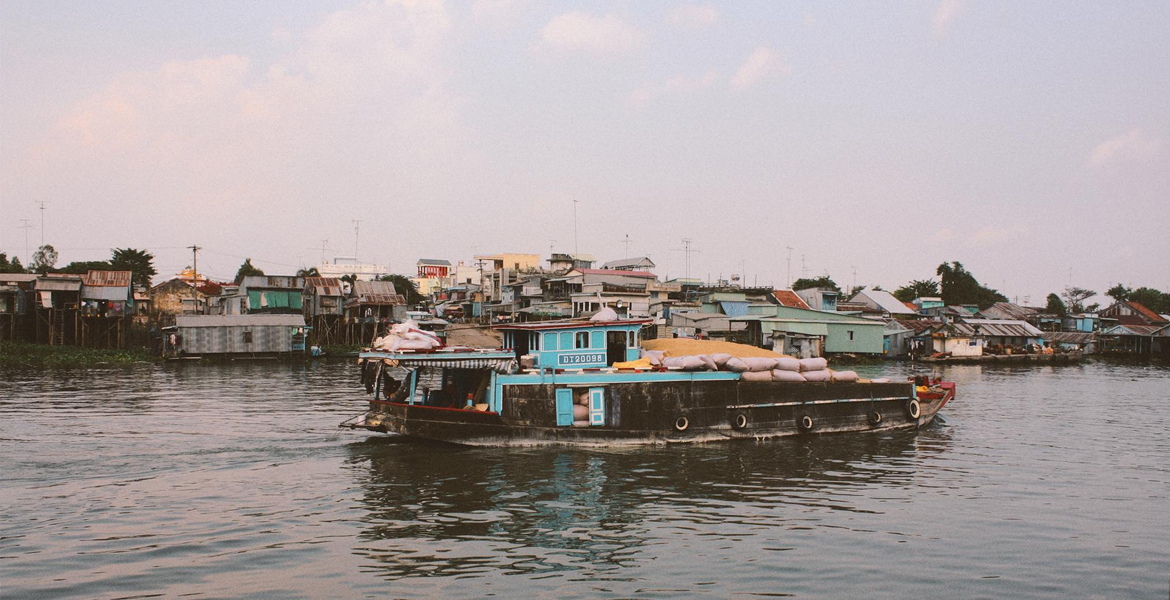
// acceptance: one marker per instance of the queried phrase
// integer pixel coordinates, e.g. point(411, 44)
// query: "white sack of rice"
point(756, 376)
point(580, 413)
point(721, 359)
point(735, 365)
point(760, 363)
point(821, 375)
point(813, 364)
point(709, 362)
point(783, 375)
point(844, 375)
point(787, 363)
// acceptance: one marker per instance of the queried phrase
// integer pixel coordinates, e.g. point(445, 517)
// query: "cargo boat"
point(569, 393)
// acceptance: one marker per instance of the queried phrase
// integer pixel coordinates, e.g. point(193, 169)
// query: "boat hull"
point(676, 412)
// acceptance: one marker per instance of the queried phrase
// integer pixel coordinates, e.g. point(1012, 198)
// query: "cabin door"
point(615, 347)
point(597, 406)
point(564, 408)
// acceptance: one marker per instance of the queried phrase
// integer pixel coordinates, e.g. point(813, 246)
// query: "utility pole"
point(25, 225)
point(195, 265)
point(324, 244)
point(627, 243)
point(42, 225)
point(803, 267)
point(854, 290)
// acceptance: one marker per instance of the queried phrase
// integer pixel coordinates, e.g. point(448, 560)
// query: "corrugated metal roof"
point(790, 299)
point(57, 284)
point(886, 301)
point(1008, 310)
point(641, 274)
point(1147, 313)
point(1004, 328)
point(238, 320)
point(438, 262)
point(628, 262)
point(18, 277)
point(324, 286)
point(734, 309)
point(107, 279)
point(378, 293)
point(1142, 330)
point(1068, 337)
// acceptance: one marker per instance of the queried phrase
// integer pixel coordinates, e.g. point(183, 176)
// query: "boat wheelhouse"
point(564, 382)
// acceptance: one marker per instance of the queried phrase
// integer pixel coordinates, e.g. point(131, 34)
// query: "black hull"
point(669, 412)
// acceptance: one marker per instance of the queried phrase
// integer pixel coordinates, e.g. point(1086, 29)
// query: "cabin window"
point(632, 341)
point(534, 342)
point(550, 341)
point(851, 335)
point(247, 337)
point(583, 339)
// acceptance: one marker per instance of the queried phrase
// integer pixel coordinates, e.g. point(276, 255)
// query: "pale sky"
point(1028, 140)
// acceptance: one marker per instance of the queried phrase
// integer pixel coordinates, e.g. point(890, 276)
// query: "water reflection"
point(436, 510)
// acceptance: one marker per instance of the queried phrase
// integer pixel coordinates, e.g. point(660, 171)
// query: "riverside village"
point(342, 305)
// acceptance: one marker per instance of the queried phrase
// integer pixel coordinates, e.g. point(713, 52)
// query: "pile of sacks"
point(407, 336)
point(780, 368)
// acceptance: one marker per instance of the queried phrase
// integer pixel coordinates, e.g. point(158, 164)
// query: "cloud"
point(1134, 146)
point(763, 63)
point(693, 16)
point(946, 12)
point(579, 31)
point(221, 131)
point(679, 84)
point(942, 235)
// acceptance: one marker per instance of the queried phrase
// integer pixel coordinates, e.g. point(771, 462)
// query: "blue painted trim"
point(544, 377)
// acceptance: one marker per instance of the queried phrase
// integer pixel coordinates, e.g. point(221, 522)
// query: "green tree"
point(44, 259)
point(81, 267)
point(1119, 292)
point(10, 267)
point(1074, 298)
point(824, 281)
point(247, 270)
point(918, 288)
point(140, 263)
point(1055, 306)
point(1152, 299)
point(958, 286)
point(310, 272)
point(406, 287)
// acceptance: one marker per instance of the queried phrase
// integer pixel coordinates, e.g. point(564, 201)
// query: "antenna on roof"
point(627, 243)
point(576, 249)
point(357, 224)
point(789, 266)
point(42, 228)
point(26, 226)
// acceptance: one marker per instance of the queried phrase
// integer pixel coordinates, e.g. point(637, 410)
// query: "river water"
point(232, 481)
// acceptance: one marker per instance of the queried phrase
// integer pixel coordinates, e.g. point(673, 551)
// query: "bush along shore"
point(21, 354)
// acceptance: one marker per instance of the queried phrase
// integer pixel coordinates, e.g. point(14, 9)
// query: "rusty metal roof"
point(379, 293)
point(107, 278)
point(1152, 316)
point(790, 299)
point(324, 286)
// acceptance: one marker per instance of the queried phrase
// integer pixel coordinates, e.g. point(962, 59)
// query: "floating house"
point(234, 336)
point(809, 333)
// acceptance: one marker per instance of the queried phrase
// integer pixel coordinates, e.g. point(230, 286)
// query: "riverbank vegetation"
point(21, 354)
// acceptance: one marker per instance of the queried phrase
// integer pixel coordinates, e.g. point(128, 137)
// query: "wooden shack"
point(374, 304)
point(107, 308)
point(324, 304)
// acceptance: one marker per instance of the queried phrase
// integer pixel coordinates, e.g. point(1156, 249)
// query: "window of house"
point(247, 337)
point(583, 339)
point(851, 335)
